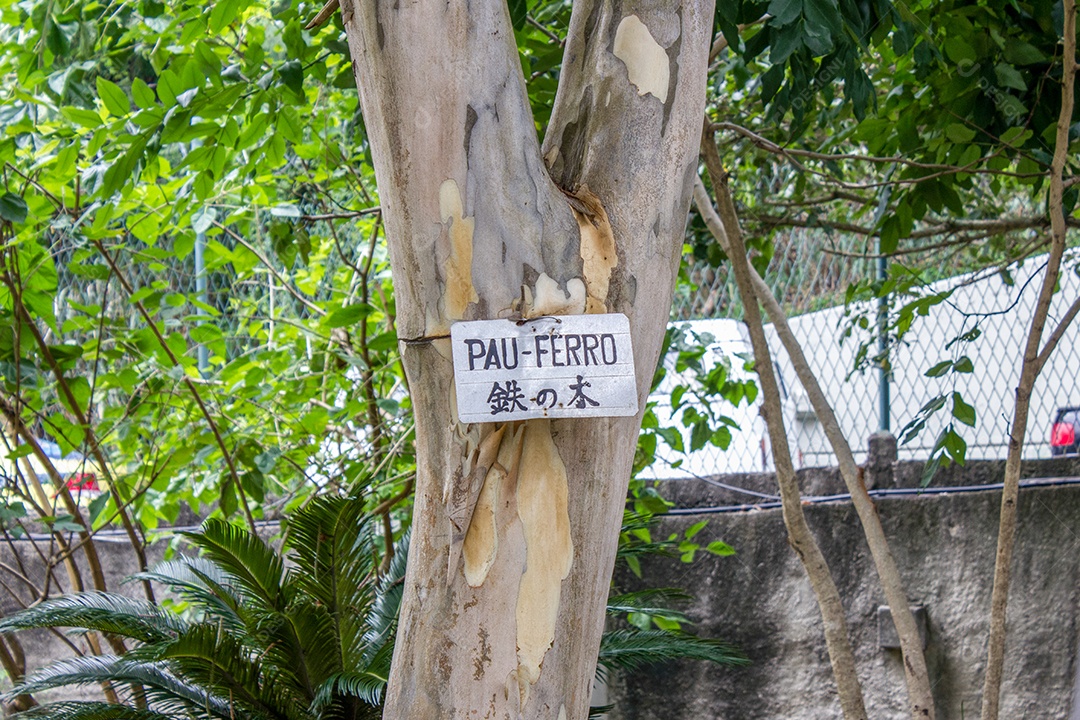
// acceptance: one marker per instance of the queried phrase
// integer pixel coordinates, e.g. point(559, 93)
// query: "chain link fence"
point(810, 273)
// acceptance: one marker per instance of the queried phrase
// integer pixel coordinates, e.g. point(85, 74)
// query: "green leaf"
point(824, 14)
point(960, 133)
point(785, 12)
point(20, 452)
point(348, 315)
point(518, 13)
point(142, 94)
point(695, 529)
point(958, 50)
point(222, 15)
point(964, 365)
point(146, 228)
point(1019, 52)
point(929, 470)
point(116, 102)
point(721, 548)
point(955, 445)
point(12, 208)
point(96, 506)
point(1009, 77)
point(292, 76)
point(940, 369)
point(962, 411)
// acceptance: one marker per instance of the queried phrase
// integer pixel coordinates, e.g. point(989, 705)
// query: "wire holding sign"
point(555, 367)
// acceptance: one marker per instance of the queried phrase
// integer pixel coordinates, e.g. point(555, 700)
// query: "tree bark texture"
point(841, 656)
point(1032, 365)
point(516, 524)
point(918, 678)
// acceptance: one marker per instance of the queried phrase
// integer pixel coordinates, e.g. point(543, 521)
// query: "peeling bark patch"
point(470, 121)
point(549, 550)
point(463, 492)
point(647, 65)
point(598, 253)
point(562, 712)
point(566, 159)
point(459, 290)
point(482, 538)
point(547, 298)
point(484, 656)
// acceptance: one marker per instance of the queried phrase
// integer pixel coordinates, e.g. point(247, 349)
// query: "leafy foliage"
point(312, 641)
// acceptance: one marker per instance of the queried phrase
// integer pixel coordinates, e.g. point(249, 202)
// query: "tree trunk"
point(1030, 367)
point(516, 525)
point(849, 690)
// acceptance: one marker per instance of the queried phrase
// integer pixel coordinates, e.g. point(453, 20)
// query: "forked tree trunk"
point(504, 606)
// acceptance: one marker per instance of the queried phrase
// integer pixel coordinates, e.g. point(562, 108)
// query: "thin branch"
point(1033, 361)
point(229, 461)
point(799, 535)
point(267, 264)
point(1058, 333)
point(344, 215)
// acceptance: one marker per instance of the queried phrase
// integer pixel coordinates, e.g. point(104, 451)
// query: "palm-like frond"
point(104, 612)
point(212, 659)
point(87, 710)
point(599, 711)
point(653, 601)
point(164, 690)
point(631, 648)
point(382, 619)
point(257, 571)
point(366, 686)
point(331, 544)
point(204, 585)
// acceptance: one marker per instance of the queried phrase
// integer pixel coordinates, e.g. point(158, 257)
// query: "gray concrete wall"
point(944, 544)
point(42, 647)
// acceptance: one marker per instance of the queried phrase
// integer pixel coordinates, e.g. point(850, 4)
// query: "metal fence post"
point(201, 291)
point(883, 346)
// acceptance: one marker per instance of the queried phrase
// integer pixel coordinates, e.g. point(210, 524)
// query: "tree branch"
point(1029, 370)
point(800, 537)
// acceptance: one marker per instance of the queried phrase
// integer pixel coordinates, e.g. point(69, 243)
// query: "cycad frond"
point(256, 569)
point(88, 710)
point(331, 544)
point(303, 648)
point(364, 685)
point(207, 656)
point(164, 690)
point(653, 601)
point(203, 584)
point(104, 612)
point(382, 619)
point(631, 648)
point(599, 711)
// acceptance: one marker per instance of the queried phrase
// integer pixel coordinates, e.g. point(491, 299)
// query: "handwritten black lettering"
point(540, 352)
point(590, 343)
point(605, 340)
point(505, 359)
point(573, 344)
point(476, 351)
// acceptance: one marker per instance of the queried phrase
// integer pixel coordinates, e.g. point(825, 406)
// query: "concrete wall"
point(944, 544)
point(42, 647)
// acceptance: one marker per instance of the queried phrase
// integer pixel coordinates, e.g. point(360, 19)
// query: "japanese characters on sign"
point(558, 367)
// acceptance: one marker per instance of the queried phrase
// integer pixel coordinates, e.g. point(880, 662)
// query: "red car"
point(1065, 432)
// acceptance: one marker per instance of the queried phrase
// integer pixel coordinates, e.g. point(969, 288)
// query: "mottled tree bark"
point(516, 525)
point(1035, 356)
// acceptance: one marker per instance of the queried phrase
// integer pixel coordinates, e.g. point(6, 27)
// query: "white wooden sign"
point(557, 367)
